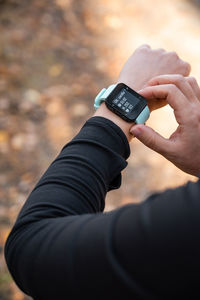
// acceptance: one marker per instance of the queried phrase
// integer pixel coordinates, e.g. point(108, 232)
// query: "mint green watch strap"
point(143, 116)
point(103, 94)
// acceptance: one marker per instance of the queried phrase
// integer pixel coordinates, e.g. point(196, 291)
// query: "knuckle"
point(186, 67)
point(150, 141)
point(143, 48)
point(173, 54)
point(195, 120)
point(194, 116)
point(160, 50)
point(172, 88)
point(192, 80)
point(168, 152)
point(180, 79)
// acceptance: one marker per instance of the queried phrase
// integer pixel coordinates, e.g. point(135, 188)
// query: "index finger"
point(169, 92)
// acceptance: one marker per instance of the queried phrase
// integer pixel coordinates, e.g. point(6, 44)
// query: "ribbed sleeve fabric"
point(63, 246)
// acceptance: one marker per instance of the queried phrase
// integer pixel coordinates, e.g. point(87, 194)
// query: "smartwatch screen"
point(125, 102)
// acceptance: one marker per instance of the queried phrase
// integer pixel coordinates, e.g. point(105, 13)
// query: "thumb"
point(151, 138)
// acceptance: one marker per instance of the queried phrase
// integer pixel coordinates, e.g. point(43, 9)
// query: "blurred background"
point(55, 56)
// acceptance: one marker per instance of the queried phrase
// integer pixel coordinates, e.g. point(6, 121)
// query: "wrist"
point(103, 111)
point(133, 84)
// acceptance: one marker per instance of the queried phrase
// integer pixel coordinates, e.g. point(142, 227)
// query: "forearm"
point(85, 170)
point(75, 184)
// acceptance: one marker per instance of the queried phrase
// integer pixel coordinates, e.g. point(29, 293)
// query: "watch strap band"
point(143, 116)
point(103, 94)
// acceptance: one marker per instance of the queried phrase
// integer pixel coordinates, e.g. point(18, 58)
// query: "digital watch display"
point(125, 102)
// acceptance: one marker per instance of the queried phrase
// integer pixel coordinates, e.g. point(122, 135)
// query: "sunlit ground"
point(55, 56)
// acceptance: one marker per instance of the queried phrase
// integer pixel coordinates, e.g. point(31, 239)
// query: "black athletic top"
point(63, 246)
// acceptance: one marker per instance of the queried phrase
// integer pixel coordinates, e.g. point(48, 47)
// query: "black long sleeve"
point(63, 246)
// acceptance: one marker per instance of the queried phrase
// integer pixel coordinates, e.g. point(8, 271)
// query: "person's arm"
point(63, 246)
point(138, 251)
point(60, 224)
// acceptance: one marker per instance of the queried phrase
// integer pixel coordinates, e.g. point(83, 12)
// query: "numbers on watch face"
point(125, 101)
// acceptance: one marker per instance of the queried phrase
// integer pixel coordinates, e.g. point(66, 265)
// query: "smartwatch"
point(124, 102)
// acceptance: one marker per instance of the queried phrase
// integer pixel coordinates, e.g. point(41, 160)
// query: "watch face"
point(125, 102)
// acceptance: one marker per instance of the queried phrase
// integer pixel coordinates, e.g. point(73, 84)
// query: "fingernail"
point(135, 131)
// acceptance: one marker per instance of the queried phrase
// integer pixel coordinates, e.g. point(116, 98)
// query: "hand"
point(146, 63)
point(183, 146)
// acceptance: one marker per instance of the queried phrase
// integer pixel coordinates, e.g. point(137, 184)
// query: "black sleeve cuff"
point(112, 137)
